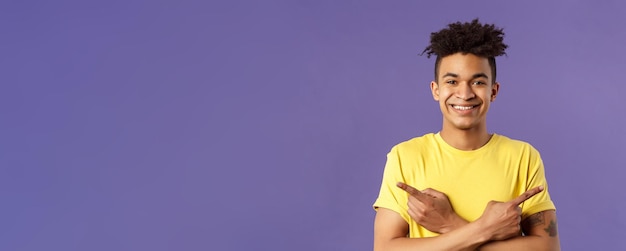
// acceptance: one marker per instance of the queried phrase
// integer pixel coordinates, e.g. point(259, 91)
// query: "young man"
point(464, 188)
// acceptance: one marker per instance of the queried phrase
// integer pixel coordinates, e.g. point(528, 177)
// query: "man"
point(464, 188)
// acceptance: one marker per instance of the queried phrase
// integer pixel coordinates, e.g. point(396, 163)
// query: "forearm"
point(467, 237)
point(541, 234)
point(523, 243)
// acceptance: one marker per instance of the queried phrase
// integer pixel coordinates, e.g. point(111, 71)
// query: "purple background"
point(264, 125)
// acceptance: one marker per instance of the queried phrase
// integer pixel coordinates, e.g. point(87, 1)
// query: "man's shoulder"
point(416, 143)
point(506, 142)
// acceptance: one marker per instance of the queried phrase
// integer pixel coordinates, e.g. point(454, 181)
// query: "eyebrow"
point(477, 75)
point(480, 75)
point(450, 75)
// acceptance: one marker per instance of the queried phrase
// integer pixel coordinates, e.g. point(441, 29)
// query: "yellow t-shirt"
point(500, 170)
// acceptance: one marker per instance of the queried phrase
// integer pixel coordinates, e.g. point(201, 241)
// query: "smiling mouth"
point(464, 107)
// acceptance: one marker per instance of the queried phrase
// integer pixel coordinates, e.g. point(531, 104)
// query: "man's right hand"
point(502, 219)
point(431, 209)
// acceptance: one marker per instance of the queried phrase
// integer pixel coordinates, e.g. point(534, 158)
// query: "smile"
point(464, 107)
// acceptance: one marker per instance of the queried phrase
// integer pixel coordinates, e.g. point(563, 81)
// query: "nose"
point(465, 91)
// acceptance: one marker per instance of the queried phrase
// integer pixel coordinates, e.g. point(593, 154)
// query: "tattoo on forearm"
point(535, 219)
point(551, 229)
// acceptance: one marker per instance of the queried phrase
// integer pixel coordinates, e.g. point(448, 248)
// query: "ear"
point(495, 88)
point(434, 88)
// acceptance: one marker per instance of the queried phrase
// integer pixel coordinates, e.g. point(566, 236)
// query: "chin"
point(465, 126)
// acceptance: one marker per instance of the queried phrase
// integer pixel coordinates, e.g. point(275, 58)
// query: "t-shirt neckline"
point(494, 138)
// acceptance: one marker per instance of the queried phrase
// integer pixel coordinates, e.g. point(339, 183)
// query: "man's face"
point(464, 90)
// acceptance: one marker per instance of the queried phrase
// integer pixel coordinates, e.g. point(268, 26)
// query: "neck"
point(466, 140)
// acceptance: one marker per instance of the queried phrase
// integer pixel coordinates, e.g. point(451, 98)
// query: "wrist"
point(459, 222)
point(484, 235)
point(455, 222)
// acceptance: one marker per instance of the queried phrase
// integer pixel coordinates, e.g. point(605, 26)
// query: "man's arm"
point(436, 214)
point(541, 234)
point(391, 230)
point(499, 221)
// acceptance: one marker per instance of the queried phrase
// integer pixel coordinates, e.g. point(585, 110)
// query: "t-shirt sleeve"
point(390, 196)
point(536, 177)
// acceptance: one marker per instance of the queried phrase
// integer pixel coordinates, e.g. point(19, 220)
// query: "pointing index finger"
point(409, 189)
point(527, 195)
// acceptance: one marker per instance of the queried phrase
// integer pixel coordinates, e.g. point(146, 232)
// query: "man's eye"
point(479, 83)
point(451, 82)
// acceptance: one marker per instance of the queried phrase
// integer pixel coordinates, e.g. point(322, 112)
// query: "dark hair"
point(483, 40)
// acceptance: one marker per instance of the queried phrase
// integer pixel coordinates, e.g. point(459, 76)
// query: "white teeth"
point(458, 107)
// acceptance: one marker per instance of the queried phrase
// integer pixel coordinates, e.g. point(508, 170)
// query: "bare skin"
point(465, 81)
point(499, 221)
point(436, 214)
point(431, 209)
point(441, 218)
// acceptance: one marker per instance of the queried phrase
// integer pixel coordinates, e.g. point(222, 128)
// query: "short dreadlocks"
point(483, 40)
